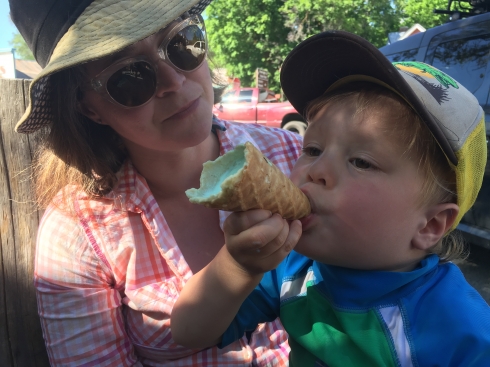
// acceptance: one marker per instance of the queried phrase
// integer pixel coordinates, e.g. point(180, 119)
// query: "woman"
point(127, 109)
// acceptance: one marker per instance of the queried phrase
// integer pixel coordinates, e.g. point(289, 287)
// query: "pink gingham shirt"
point(108, 276)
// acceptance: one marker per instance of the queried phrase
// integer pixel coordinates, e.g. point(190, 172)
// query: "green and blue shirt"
point(339, 317)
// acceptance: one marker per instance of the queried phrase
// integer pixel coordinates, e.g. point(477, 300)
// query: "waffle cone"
point(244, 179)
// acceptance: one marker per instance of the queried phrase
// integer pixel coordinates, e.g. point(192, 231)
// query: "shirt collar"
point(131, 191)
point(218, 125)
point(354, 288)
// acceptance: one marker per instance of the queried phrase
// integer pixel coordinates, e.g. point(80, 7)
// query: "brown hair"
point(411, 132)
point(76, 150)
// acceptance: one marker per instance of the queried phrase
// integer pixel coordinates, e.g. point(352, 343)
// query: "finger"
point(259, 235)
point(286, 239)
point(238, 222)
point(294, 234)
point(272, 235)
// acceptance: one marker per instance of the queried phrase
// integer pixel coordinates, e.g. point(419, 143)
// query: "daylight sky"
point(7, 28)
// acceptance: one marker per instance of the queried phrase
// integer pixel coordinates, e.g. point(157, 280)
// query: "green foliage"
point(21, 49)
point(248, 34)
point(245, 35)
point(369, 19)
point(422, 12)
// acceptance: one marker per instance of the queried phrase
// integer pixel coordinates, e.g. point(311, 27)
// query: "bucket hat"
point(65, 33)
point(453, 115)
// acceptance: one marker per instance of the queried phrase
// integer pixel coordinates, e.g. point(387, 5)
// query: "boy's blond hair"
point(405, 127)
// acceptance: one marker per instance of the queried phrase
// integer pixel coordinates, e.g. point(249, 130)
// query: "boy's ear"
point(439, 220)
point(88, 112)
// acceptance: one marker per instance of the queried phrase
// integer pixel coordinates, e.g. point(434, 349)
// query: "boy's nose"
point(322, 173)
point(169, 79)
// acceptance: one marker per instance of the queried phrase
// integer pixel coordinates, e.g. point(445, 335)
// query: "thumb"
point(295, 231)
point(238, 222)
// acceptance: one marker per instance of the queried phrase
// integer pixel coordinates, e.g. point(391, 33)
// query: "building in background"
point(12, 68)
point(7, 64)
point(404, 33)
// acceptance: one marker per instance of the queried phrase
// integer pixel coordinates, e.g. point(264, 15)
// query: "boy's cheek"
point(295, 178)
point(298, 174)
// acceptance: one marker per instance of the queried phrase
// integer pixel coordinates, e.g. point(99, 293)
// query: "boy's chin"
point(310, 252)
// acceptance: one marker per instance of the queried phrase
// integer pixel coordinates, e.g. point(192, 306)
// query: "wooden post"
point(21, 341)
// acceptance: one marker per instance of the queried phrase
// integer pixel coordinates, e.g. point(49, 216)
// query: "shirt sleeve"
point(262, 305)
point(80, 311)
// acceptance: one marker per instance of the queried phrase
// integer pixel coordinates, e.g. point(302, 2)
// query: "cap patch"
point(422, 69)
point(427, 75)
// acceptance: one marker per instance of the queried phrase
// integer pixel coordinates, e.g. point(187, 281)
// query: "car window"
point(465, 60)
point(263, 93)
point(229, 97)
point(245, 96)
point(407, 55)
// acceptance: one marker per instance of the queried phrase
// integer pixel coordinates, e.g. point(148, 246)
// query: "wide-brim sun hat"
point(63, 34)
point(453, 115)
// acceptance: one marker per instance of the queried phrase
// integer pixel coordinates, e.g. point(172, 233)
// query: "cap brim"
point(321, 60)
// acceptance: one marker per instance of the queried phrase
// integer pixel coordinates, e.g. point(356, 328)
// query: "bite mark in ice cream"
point(244, 179)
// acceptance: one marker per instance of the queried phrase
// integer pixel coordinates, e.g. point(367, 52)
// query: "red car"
point(259, 106)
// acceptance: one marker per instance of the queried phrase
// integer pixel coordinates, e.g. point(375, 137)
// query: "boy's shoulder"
point(447, 310)
point(448, 286)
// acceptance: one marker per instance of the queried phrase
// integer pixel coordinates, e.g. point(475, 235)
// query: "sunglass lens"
point(187, 49)
point(132, 85)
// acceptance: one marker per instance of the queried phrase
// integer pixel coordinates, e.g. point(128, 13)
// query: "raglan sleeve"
point(262, 305)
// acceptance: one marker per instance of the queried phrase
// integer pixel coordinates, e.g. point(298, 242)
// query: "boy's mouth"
point(312, 204)
point(306, 221)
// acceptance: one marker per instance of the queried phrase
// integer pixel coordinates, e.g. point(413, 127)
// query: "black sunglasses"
point(133, 82)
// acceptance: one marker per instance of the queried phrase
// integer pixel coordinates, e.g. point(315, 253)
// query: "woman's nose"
point(169, 79)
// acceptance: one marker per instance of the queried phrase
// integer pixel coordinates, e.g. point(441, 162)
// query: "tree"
point(248, 34)
point(21, 49)
point(422, 12)
point(371, 20)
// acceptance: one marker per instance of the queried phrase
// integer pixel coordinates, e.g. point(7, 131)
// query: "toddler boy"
point(393, 157)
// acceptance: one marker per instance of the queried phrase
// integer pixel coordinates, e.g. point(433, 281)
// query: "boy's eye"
point(312, 152)
point(361, 163)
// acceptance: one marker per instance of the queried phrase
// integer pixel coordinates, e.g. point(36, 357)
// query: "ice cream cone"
point(244, 179)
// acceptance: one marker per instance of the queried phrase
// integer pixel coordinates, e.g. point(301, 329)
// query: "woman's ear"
point(88, 112)
point(439, 220)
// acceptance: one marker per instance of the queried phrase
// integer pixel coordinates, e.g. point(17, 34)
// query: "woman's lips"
point(186, 110)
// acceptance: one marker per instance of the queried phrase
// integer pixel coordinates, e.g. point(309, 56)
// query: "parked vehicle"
point(259, 106)
point(460, 48)
point(197, 48)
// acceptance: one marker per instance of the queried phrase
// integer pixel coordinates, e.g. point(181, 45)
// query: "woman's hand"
point(259, 240)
